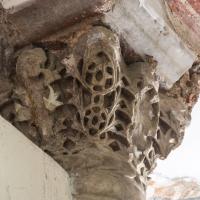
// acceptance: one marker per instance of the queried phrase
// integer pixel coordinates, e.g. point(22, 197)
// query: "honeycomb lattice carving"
point(91, 97)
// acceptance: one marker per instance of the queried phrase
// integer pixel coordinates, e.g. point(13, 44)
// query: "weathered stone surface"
point(103, 120)
point(97, 102)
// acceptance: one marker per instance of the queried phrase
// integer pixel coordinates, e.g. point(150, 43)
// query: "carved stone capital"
point(94, 114)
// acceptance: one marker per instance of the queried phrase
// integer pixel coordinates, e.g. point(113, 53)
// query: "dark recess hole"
point(92, 131)
point(86, 121)
point(158, 135)
point(109, 100)
point(78, 117)
point(102, 125)
point(122, 116)
point(88, 78)
point(103, 136)
point(123, 105)
point(109, 70)
point(127, 95)
point(103, 115)
point(140, 85)
point(119, 127)
point(164, 126)
point(121, 139)
point(69, 144)
point(115, 146)
point(80, 66)
point(95, 120)
point(99, 76)
point(125, 81)
point(103, 56)
point(88, 112)
point(109, 83)
point(137, 180)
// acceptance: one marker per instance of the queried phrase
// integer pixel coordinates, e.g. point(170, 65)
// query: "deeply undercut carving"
point(93, 114)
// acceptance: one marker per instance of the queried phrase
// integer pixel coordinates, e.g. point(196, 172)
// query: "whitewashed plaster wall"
point(26, 172)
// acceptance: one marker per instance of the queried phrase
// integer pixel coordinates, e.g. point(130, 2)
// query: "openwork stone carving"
point(93, 114)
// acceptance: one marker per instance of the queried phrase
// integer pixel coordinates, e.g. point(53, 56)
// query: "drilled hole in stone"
point(80, 66)
point(102, 55)
point(127, 95)
point(96, 99)
point(102, 125)
point(95, 120)
point(88, 78)
point(118, 137)
point(109, 83)
point(99, 76)
point(69, 144)
point(85, 121)
point(151, 154)
point(92, 67)
point(119, 127)
point(156, 147)
point(164, 126)
point(96, 109)
point(88, 112)
point(78, 117)
point(41, 76)
point(125, 81)
point(123, 117)
point(103, 115)
point(158, 134)
point(62, 72)
point(137, 180)
point(109, 70)
point(140, 85)
point(92, 131)
point(102, 136)
point(115, 146)
point(109, 100)
point(147, 164)
point(97, 88)
point(123, 104)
